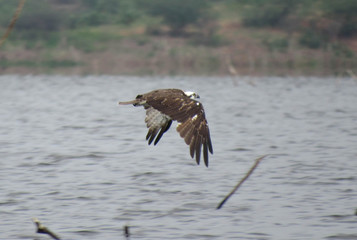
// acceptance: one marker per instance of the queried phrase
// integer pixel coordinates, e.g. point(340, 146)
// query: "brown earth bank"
point(238, 54)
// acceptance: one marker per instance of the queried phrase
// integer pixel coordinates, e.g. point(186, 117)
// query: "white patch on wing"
point(194, 117)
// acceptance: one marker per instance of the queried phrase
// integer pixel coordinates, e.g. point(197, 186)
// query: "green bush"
point(279, 44)
point(348, 29)
point(87, 19)
point(211, 40)
point(108, 12)
point(31, 39)
point(344, 12)
point(177, 14)
point(128, 12)
point(262, 13)
point(342, 50)
point(39, 16)
point(87, 40)
point(312, 40)
point(7, 9)
point(268, 16)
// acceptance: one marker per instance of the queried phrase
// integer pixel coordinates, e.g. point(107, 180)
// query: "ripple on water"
point(75, 159)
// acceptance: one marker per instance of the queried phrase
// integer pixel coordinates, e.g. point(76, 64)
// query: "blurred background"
point(181, 37)
point(275, 76)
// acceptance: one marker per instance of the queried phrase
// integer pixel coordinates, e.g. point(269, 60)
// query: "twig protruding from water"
point(126, 231)
point(257, 161)
point(42, 229)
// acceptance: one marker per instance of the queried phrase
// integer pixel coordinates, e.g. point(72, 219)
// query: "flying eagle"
point(165, 105)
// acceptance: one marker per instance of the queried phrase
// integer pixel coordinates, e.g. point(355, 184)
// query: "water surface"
point(70, 156)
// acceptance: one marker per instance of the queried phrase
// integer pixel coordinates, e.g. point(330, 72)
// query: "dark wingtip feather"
point(159, 136)
point(198, 150)
point(197, 159)
point(162, 131)
point(148, 135)
point(151, 138)
point(210, 146)
point(205, 154)
point(168, 125)
point(192, 146)
point(151, 134)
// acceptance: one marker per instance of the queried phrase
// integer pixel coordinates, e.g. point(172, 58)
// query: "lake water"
point(74, 159)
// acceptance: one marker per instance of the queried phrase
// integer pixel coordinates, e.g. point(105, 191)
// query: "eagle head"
point(192, 95)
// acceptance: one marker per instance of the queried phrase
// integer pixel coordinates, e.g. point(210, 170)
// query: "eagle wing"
point(190, 115)
point(156, 121)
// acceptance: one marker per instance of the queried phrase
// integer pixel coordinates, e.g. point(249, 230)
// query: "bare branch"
point(42, 229)
point(257, 161)
point(13, 21)
point(126, 232)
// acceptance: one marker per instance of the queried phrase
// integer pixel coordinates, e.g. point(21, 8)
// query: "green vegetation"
point(50, 63)
point(177, 14)
point(182, 36)
point(91, 39)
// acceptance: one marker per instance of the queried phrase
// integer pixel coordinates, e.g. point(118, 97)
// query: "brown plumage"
point(164, 105)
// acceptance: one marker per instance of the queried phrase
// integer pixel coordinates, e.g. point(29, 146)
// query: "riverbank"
point(129, 50)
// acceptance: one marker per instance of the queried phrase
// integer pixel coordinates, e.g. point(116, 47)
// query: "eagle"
point(166, 105)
